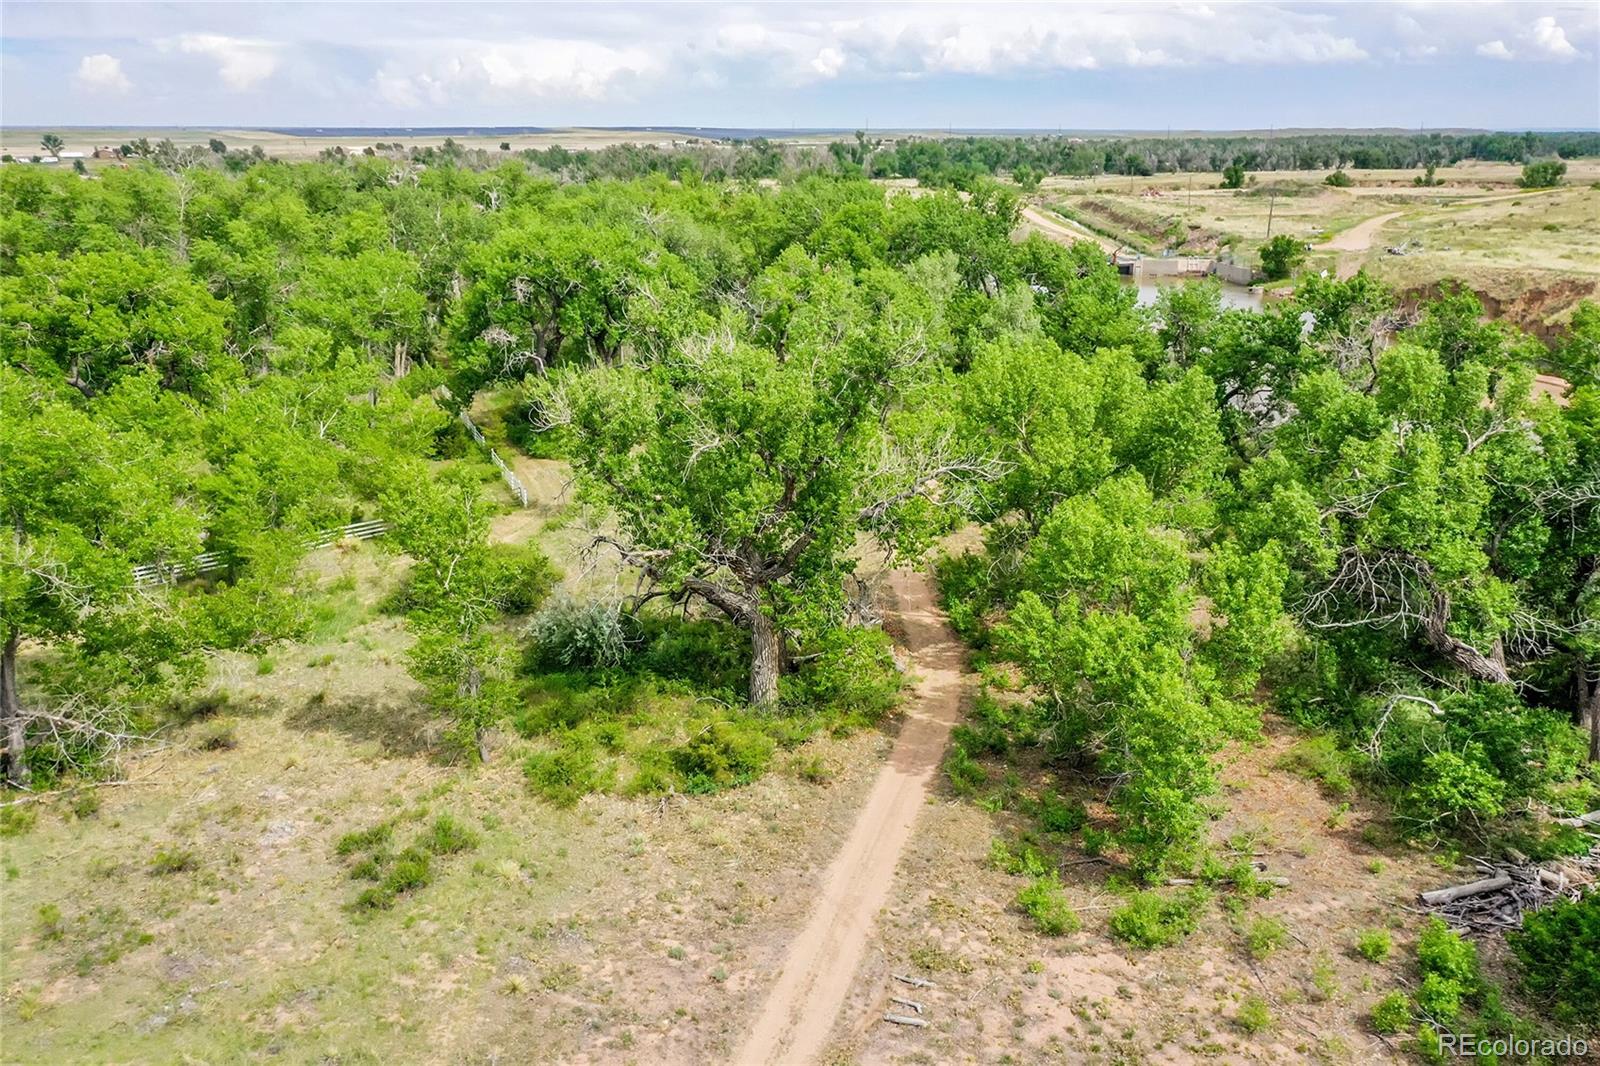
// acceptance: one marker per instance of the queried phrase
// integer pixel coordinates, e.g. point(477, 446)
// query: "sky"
point(1146, 66)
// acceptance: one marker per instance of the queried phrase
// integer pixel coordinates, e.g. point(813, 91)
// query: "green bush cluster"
point(1044, 901)
point(1558, 949)
point(1153, 919)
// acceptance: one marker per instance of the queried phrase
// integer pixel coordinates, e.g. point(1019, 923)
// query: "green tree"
point(86, 495)
point(1233, 176)
point(457, 590)
point(52, 144)
point(741, 477)
point(1546, 174)
point(1281, 255)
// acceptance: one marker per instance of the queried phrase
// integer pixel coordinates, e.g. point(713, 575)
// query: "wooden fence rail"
point(208, 562)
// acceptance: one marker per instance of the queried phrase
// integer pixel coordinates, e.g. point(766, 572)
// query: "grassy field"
point(1530, 254)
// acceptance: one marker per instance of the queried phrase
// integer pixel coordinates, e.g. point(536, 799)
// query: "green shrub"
point(1439, 998)
point(570, 634)
point(1264, 936)
point(1374, 945)
point(965, 774)
point(522, 576)
point(15, 821)
point(853, 674)
point(1281, 256)
point(1338, 179)
point(1045, 902)
point(1392, 1013)
point(1152, 920)
point(1546, 174)
point(1443, 952)
point(568, 773)
point(50, 924)
point(1254, 1015)
point(1057, 815)
point(1558, 953)
point(446, 836)
point(1024, 858)
point(722, 752)
point(1449, 968)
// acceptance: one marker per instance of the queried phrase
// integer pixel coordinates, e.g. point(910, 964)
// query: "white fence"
point(206, 562)
point(513, 482)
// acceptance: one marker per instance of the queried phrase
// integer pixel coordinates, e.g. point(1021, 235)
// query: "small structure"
point(105, 151)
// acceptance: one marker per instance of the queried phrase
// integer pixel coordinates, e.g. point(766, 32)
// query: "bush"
point(1254, 1015)
point(1264, 936)
point(1558, 952)
point(853, 675)
point(1045, 902)
point(1338, 179)
point(364, 839)
point(1543, 175)
point(523, 577)
point(1057, 815)
point(722, 752)
point(1374, 945)
point(1392, 1014)
point(1449, 968)
point(172, 861)
point(568, 773)
point(569, 634)
point(1151, 920)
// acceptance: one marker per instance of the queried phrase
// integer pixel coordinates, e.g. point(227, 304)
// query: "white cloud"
point(102, 73)
point(1551, 39)
point(534, 68)
point(1495, 49)
point(241, 62)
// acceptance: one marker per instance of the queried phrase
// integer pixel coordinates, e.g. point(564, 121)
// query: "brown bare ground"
point(819, 965)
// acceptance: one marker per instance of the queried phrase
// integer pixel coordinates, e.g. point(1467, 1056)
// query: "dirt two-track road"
point(804, 1002)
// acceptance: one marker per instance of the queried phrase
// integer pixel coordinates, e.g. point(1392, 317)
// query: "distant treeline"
point(959, 160)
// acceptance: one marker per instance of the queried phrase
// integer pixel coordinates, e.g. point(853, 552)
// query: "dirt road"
point(802, 1005)
point(1358, 238)
point(1064, 229)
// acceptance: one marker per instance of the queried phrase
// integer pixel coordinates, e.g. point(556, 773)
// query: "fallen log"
point(1475, 888)
point(914, 982)
point(905, 1019)
point(1592, 818)
point(1184, 882)
point(913, 1004)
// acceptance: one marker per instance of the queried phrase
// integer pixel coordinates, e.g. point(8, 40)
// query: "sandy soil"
point(821, 963)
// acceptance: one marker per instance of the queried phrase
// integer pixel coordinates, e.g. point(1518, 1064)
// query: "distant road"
point(1064, 229)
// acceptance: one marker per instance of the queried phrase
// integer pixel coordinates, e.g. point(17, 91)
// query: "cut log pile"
point(1497, 900)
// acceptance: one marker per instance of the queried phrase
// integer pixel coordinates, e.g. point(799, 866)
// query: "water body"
point(1239, 297)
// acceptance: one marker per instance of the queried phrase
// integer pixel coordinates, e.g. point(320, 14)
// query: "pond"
point(1233, 296)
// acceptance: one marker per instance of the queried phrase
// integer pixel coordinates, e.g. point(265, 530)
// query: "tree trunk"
point(15, 726)
point(1461, 654)
point(1594, 722)
point(766, 661)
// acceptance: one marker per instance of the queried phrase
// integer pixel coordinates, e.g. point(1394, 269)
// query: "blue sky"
point(920, 65)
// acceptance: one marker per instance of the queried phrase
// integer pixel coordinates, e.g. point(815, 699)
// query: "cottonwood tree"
point(84, 496)
point(741, 476)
